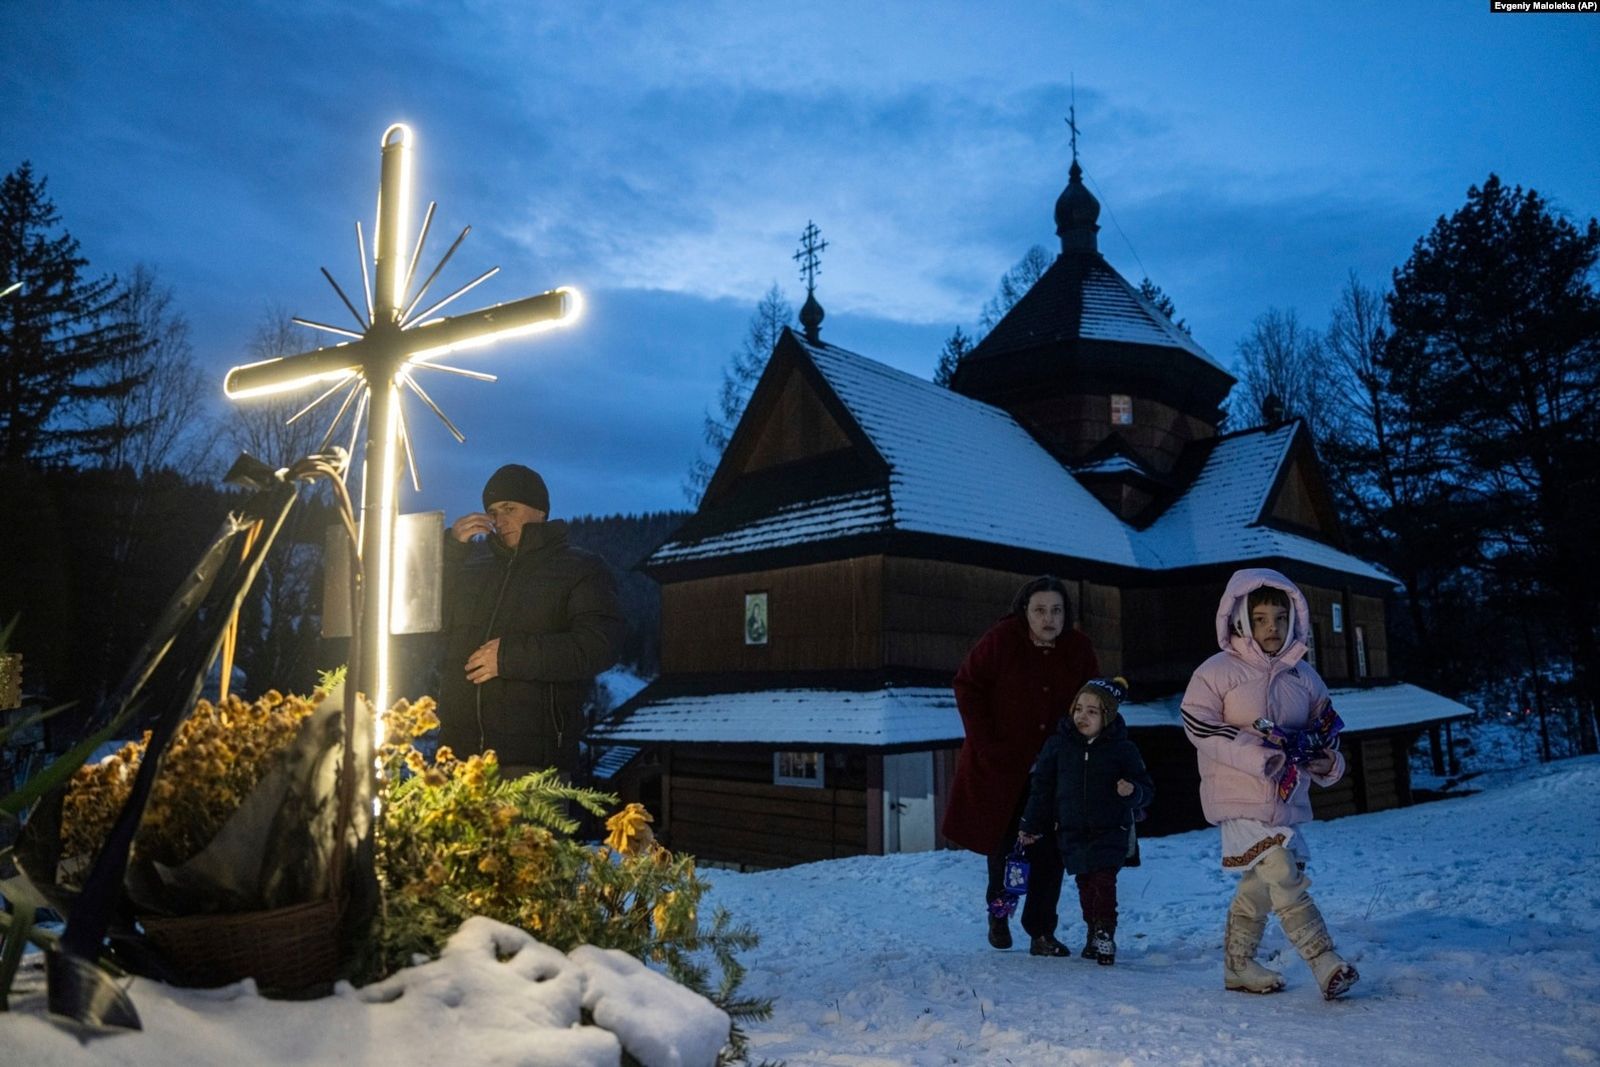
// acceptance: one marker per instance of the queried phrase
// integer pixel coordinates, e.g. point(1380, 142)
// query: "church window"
point(1121, 409)
point(797, 768)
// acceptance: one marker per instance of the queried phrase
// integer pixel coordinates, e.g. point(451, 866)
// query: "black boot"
point(1047, 945)
point(1105, 949)
point(1088, 952)
point(999, 932)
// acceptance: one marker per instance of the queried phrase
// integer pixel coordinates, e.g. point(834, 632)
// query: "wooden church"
point(865, 527)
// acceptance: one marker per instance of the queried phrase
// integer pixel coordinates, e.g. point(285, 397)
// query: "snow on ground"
point(1475, 922)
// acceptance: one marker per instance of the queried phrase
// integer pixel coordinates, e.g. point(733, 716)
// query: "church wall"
point(935, 611)
point(1168, 632)
point(722, 807)
point(1333, 656)
point(1077, 422)
point(820, 616)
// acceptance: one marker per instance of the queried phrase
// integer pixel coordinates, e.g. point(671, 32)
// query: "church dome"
point(1077, 214)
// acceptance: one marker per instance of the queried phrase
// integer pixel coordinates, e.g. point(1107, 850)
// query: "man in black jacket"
point(530, 621)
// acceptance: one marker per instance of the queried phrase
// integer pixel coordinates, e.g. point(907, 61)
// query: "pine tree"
point(58, 333)
point(739, 377)
point(1163, 303)
point(1496, 351)
point(956, 345)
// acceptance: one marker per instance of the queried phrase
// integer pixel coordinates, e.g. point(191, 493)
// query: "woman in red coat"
point(1012, 689)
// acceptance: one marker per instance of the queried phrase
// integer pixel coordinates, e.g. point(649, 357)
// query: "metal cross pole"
point(392, 343)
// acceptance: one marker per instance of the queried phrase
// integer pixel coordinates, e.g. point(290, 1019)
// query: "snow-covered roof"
point(891, 715)
point(612, 759)
point(914, 715)
point(825, 519)
point(1215, 520)
point(1112, 465)
point(1372, 708)
point(1084, 297)
point(964, 469)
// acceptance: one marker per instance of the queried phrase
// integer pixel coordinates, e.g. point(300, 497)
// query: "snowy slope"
point(1475, 922)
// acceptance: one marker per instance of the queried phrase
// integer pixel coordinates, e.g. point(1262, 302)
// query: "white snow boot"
point(1309, 934)
point(1240, 971)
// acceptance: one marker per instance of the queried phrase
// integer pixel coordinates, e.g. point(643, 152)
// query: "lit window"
point(1121, 409)
point(1338, 618)
point(797, 768)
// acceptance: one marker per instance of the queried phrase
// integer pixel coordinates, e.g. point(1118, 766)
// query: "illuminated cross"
point(394, 341)
point(809, 256)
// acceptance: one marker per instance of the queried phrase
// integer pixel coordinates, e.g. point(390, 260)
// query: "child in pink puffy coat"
point(1260, 686)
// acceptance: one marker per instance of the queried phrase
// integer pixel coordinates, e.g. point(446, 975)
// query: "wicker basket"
point(285, 950)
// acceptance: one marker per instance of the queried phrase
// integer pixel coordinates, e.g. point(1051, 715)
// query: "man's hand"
point(1124, 788)
point(1322, 766)
point(471, 525)
point(484, 663)
point(1025, 839)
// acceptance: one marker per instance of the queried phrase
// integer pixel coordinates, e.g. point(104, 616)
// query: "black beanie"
point(518, 484)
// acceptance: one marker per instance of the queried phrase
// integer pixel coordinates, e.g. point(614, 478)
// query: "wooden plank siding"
point(724, 808)
point(820, 616)
point(1377, 777)
point(1169, 631)
point(934, 612)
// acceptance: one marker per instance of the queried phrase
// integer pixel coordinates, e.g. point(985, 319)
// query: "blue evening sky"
point(664, 158)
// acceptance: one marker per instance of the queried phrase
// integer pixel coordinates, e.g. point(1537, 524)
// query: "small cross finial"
point(1072, 118)
point(809, 256)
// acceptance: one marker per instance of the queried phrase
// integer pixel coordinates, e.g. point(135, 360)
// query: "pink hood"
point(1233, 622)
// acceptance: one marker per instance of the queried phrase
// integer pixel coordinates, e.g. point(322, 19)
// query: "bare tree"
point(163, 422)
point(260, 426)
point(1014, 285)
point(1281, 374)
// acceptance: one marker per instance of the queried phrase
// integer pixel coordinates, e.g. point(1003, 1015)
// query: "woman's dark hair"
point(1045, 583)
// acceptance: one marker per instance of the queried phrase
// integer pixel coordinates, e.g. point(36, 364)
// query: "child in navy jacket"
point(1088, 784)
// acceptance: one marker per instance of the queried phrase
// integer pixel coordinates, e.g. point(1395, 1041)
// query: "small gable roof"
point(1221, 517)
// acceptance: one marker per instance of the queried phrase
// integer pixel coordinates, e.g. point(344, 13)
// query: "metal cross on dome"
point(393, 343)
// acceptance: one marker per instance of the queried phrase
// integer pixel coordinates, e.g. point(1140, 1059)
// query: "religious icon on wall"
point(755, 618)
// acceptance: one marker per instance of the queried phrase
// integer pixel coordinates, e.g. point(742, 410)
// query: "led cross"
point(394, 341)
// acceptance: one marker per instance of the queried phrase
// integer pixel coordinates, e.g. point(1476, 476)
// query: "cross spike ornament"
point(377, 362)
point(810, 255)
